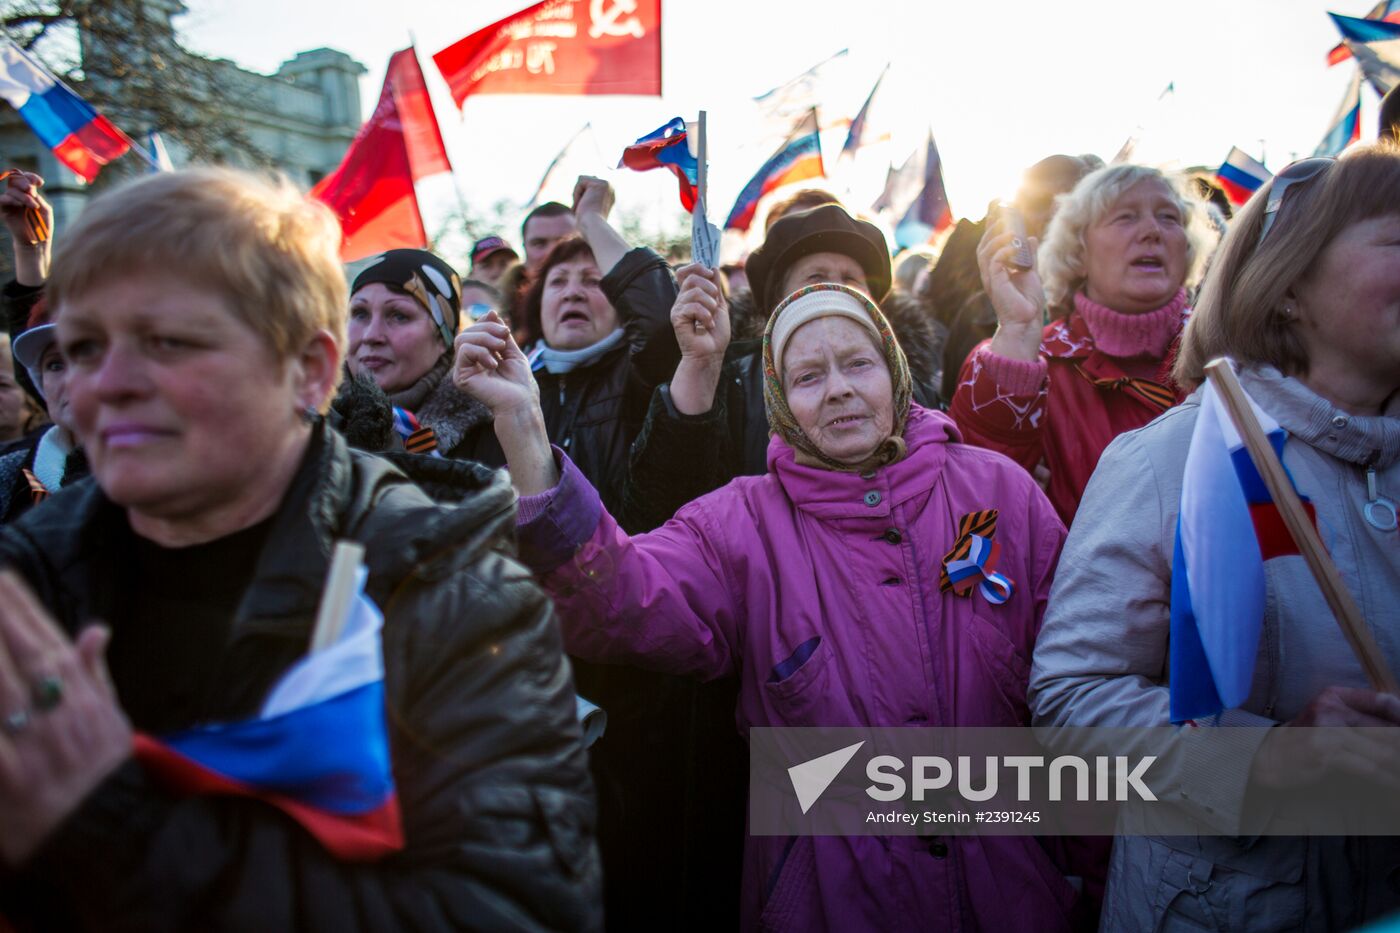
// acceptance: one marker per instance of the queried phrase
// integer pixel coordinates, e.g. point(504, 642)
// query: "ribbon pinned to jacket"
point(972, 562)
point(417, 439)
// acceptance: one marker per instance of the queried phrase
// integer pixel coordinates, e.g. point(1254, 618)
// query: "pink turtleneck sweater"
point(1050, 412)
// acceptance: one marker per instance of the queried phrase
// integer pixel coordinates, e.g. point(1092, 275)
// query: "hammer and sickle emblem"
point(606, 21)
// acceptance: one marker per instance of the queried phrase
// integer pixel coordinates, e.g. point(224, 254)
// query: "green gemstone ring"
point(48, 692)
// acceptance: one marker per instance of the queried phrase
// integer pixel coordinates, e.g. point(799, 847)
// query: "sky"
point(1000, 84)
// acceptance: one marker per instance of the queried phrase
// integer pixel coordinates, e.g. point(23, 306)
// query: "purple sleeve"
point(667, 600)
point(554, 524)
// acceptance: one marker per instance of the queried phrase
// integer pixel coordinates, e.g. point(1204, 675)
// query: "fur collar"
point(451, 413)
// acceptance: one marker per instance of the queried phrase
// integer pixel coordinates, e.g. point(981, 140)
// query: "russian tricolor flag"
point(79, 136)
point(318, 751)
point(1227, 527)
point(798, 158)
point(1386, 11)
point(667, 147)
point(1375, 44)
point(1346, 125)
point(1241, 176)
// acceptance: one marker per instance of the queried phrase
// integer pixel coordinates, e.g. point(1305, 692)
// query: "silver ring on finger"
point(16, 722)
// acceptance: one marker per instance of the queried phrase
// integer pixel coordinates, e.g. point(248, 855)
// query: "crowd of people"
point(705, 500)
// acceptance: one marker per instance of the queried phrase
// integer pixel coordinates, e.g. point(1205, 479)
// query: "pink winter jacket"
point(820, 589)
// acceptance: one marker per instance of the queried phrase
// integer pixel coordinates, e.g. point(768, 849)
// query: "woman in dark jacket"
point(204, 544)
point(607, 344)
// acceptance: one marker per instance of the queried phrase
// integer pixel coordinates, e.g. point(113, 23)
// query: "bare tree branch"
point(126, 60)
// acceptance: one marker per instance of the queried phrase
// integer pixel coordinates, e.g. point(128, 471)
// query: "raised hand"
point(700, 315)
point(29, 218)
point(490, 367)
point(593, 196)
point(1016, 295)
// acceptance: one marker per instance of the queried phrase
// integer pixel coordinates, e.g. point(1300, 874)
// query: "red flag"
point(561, 47)
point(372, 189)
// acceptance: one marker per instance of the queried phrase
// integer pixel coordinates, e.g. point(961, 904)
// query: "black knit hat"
point(424, 276)
point(825, 229)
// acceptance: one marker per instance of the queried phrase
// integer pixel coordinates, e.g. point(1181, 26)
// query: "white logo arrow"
point(811, 778)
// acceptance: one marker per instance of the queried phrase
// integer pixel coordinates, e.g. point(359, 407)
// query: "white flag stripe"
point(355, 660)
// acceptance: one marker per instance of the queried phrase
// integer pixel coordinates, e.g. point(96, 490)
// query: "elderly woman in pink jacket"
point(818, 584)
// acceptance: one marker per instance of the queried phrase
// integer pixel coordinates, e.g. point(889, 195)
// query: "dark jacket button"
point(893, 536)
point(938, 849)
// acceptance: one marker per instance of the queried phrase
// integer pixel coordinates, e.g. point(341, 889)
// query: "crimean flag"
point(561, 47)
point(667, 147)
point(1241, 175)
point(1228, 526)
point(797, 159)
point(318, 750)
point(1346, 125)
point(1386, 11)
point(930, 214)
point(372, 190)
point(80, 137)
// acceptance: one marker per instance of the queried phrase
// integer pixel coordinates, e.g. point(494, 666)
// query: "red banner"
point(421, 135)
point(561, 47)
point(372, 189)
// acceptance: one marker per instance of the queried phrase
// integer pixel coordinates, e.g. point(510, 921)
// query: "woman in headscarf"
point(1304, 296)
point(1120, 254)
point(202, 316)
point(805, 581)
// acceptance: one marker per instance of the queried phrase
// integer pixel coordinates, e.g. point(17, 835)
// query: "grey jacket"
point(1101, 660)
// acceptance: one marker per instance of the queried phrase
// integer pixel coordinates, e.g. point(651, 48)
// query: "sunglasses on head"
point(1297, 173)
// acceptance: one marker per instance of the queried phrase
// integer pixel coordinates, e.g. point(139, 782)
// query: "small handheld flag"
point(667, 147)
point(704, 236)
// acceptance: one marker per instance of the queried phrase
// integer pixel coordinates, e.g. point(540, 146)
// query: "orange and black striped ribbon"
point(982, 523)
point(422, 441)
point(36, 488)
point(1156, 395)
point(33, 217)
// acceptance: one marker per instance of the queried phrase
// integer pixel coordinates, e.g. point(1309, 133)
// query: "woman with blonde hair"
point(1112, 280)
point(202, 315)
point(1304, 296)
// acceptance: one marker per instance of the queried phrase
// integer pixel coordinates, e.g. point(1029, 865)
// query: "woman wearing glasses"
point(1119, 256)
point(1304, 296)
